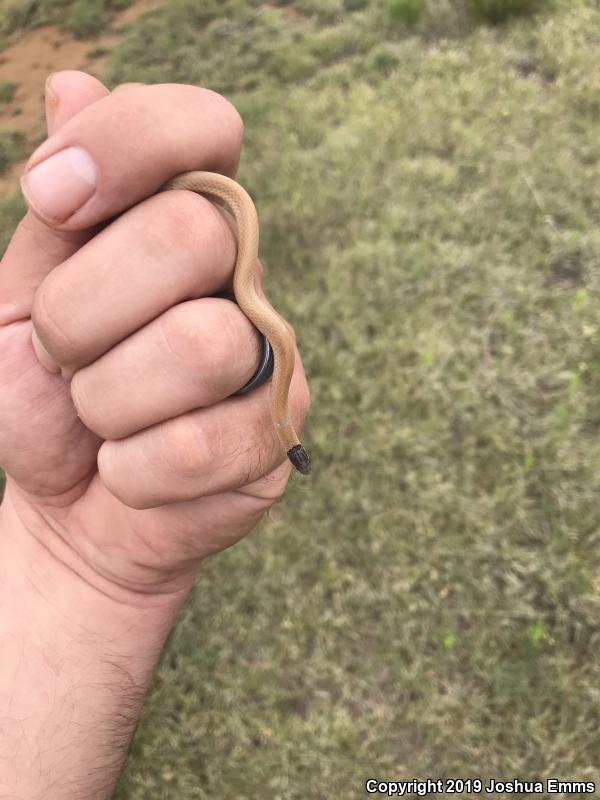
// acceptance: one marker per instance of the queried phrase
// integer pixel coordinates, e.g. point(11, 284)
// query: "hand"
point(125, 453)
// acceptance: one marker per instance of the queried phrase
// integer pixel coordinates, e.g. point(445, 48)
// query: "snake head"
point(299, 458)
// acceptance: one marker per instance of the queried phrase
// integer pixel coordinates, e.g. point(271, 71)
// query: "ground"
point(427, 604)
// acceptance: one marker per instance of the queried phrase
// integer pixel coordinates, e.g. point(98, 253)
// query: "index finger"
point(124, 147)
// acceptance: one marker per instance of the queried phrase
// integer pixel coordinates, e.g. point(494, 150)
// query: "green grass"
point(83, 18)
point(7, 91)
point(12, 208)
point(12, 149)
point(428, 602)
point(497, 11)
point(405, 10)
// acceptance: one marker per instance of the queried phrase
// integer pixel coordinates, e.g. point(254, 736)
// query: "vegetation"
point(7, 91)
point(428, 602)
point(88, 18)
point(83, 18)
point(12, 208)
point(12, 149)
point(501, 10)
point(405, 10)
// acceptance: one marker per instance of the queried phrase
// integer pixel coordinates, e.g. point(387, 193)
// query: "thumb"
point(43, 446)
point(35, 249)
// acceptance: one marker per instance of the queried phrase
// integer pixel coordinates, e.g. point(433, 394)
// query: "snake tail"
point(299, 458)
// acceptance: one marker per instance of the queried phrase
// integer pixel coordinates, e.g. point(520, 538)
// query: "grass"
point(12, 149)
point(7, 91)
point(12, 208)
point(428, 602)
point(405, 10)
point(497, 11)
point(83, 18)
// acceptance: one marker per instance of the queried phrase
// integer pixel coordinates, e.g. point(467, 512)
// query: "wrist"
point(60, 549)
point(75, 658)
point(35, 554)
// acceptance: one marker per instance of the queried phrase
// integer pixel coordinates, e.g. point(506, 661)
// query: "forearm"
point(75, 664)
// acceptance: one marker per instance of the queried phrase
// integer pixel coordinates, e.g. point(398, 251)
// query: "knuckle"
point(81, 401)
point(233, 334)
point(238, 127)
point(177, 220)
point(185, 332)
point(133, 497)
point(300, 396)
point(223, 347)
point(110, 470)
point(53, 331)
point(270, 488)
point(181, 332)
point(203, 331)
point(189, 222)
point(232, 117)
point(190, 447)
point(88, 409)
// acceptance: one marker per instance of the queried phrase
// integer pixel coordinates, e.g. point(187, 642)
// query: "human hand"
point(125, 452)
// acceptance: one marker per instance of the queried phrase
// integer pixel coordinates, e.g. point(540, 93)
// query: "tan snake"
point(262, 316)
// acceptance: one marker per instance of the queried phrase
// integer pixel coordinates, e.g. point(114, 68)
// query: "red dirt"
point(28, 62)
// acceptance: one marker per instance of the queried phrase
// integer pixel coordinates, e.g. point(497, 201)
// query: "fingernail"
point(51, 104)
point(61, 184)
point(43, 355)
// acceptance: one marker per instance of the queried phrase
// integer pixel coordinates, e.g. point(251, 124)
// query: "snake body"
point(262, 316)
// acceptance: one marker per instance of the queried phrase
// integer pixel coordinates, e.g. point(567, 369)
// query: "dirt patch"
point(27, 63)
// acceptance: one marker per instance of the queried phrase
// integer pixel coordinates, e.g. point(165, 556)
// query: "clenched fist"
point(126, 453)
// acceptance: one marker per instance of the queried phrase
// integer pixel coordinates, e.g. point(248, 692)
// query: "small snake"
point(261, 315)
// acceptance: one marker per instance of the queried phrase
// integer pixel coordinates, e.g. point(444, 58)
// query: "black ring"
point(265, 368)
point(267, 359)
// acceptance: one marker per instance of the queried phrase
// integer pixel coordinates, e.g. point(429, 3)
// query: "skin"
point(127, 460)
